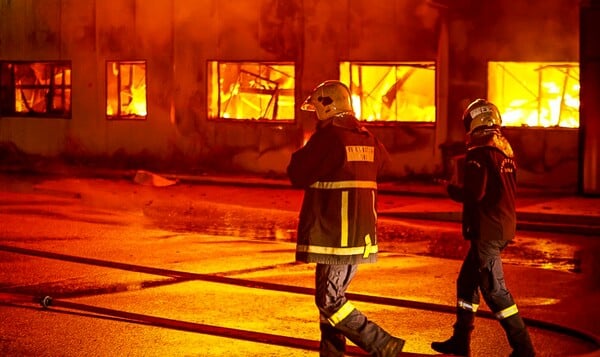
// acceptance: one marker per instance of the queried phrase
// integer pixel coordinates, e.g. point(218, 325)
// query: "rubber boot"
point(369, 336)
point(518, 337)
point(393, 348)
point(460, 342)
point(333, 342)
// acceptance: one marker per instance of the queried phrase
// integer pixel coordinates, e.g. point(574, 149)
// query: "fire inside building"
point(214, 85)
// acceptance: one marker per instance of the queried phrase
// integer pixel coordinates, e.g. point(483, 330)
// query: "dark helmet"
point(328, 99)
point(481, 113)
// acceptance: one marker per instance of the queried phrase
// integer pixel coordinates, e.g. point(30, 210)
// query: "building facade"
point(210, 85)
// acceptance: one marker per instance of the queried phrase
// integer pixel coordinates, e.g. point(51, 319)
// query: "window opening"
point(535, 94)
point(35, 89)
point(126, 90)
point(391, 92)
point(251, 91)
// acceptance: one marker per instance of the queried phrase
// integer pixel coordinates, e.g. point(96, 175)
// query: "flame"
point(42, 86)
point(307, 136)
point(131, 95)
point(535, 94)
point(356, 105)
point(137, 105)
point(395, 92)
point(555, 112)
point(256, 90)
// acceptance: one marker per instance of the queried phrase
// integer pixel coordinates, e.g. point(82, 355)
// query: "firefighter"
point(488, 222)
point(338, 169)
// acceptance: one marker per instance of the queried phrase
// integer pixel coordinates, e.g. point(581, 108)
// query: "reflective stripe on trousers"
point(508, 312)
point(465, 305)
point(482, 271)
point(331, 284)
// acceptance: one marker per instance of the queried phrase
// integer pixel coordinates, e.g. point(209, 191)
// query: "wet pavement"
point(195, 268)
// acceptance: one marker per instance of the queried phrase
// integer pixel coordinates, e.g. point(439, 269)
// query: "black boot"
point(460, 342)
point(518, 337)
point(333, 342)
point(369, 336)
point(393, 347)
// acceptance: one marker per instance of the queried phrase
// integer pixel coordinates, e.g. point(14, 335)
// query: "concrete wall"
point(547, 157)
point(482, 31)
point(590, 91)
point(177, 38)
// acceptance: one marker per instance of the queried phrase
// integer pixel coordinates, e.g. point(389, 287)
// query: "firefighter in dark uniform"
point(489, 223)
point(338, 168)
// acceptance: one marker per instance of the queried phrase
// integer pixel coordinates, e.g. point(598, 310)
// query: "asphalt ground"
point(136, 276)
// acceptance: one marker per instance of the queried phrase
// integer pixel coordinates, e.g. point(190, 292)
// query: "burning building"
point(209, 85)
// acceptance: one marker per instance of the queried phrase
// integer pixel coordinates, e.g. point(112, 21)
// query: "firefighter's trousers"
point(482, 271)
point(339, 319)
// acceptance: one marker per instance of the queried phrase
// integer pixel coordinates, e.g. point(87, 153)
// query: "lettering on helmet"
point(507, 166)
point(360, 153)
point(477, 111)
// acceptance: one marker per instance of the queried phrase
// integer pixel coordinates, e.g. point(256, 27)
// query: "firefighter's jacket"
point(338, 168)
point(488, 191)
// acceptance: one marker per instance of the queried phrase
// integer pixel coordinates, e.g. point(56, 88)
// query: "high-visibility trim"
point(344, 220)
point(367, 246)
point(469, 306)
point(341, 314)
point(373, 205)
point(360, 153)
point(508, 312)
point(336, 185)
point(371, 249)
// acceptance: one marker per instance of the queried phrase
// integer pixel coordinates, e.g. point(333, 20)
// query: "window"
point(35, 89)
point(251, 91)
point(397, 92)
point(126, 90)
point(535, 94)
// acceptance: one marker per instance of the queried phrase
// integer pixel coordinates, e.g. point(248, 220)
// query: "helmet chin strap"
point(338, 115)
point(324, 122)
point(341, 114)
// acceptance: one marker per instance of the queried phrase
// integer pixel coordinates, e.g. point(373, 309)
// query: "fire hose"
point(48, 301)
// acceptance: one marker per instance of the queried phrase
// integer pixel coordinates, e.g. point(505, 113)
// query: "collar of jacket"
point(492, 138)
point(343, 120)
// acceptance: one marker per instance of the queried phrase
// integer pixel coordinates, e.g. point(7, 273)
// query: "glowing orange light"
point(535, 94)
point(307, 136)
point(126, 94)
point(391, 92)
point(263, 91)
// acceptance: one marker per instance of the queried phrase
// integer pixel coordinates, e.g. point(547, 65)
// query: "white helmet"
point(328, 99)
point(481, 113)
